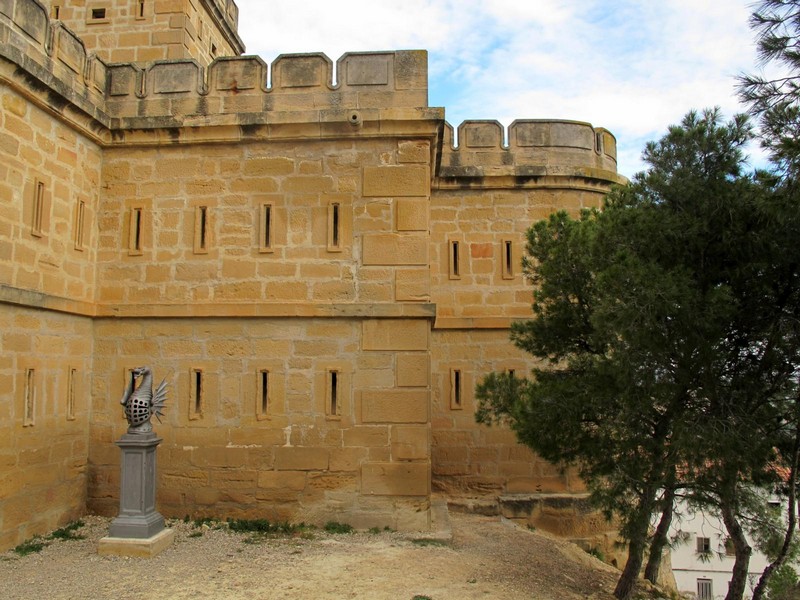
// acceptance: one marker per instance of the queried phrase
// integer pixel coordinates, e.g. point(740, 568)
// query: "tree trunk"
point(738, 582)
point(761, 587)
point(661, 537)
point(636, 547)
point(630, 573)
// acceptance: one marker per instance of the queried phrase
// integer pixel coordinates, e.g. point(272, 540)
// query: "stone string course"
point(317, 268)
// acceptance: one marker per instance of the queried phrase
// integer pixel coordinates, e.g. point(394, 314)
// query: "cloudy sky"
point(631, 66)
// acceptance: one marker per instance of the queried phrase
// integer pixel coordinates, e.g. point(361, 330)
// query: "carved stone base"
point(136, 548)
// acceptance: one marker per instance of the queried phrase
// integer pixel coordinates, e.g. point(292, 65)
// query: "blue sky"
point(631, 66)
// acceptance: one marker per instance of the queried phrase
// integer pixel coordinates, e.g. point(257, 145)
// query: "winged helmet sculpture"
point(141, 403)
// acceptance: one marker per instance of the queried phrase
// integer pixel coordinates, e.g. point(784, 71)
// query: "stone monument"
point(139, 529)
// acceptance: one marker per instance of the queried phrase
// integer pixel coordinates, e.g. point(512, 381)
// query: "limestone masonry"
point(317, 271)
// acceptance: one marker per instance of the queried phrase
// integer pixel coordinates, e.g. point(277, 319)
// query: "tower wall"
point(142, 31)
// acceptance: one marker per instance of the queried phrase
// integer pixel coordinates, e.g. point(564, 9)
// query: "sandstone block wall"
point(45, 379)
point(287, 446)
point(259, 223)
point(49, 179)
point(470, 459)
point(316, 269)
point(477, 284)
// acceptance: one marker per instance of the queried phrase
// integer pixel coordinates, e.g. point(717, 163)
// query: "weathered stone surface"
point(409, 180)
point(395, 335)
point(395, 479)
point(394, 406)
point(413, 370)
point(395, 249)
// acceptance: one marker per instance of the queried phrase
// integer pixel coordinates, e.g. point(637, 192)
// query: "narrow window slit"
point(334, 227)
point(203, 225)
point(80, 216)
point(73, 374)
point(455, 259)
point(196, 401)
point(507, 254)
point(140, 12)
point(455, 389)
point(266, 224)
point(201, 230)
point(333, 397)
point(37, 221)
point(29, 411)
point(264, 407)
point(135, 238)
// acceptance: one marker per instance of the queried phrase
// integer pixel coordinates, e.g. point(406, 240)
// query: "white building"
point(702, 560)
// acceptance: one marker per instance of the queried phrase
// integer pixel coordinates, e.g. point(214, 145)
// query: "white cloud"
point(631, 66)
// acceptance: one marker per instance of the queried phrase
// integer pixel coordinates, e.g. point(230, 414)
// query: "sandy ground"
point(487, 558)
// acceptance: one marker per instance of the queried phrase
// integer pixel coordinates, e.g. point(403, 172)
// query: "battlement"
point(535, 148)
point(48, 52)
point(295, 82)
point(170, 92)
point(358, 87)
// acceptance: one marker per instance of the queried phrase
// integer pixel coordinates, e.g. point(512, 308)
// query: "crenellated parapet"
point(294, 82)
point(52, 54)
point(534, 149)
point(51, 45)
point(233, 85)
point(356, 95)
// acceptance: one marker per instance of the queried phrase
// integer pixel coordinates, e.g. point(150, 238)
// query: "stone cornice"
point(34, 299)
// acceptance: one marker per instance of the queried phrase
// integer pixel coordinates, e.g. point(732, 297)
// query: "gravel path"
point(486, 559)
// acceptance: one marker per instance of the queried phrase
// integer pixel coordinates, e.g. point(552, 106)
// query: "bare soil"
point(487, 558)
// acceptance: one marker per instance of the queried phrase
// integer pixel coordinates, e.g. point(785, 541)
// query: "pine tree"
point(665, 322)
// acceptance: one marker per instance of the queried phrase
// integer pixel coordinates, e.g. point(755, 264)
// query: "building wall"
point(45, 375)
point(258, 247)
point(200, 211)
point(182, 231)
point(50, 174)
point(294, 457)
point(49, 189)
point(487, 196)
point(475, 460)
point(715, 569)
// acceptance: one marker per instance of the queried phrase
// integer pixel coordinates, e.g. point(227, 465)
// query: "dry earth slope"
point(486, 558)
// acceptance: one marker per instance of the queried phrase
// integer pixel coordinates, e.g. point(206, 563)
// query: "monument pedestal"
point(136, 548)
point(139, 528)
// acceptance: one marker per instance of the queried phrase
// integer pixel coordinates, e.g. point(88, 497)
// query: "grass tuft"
point(68, 532)
point(31, 546)
point(336, 527)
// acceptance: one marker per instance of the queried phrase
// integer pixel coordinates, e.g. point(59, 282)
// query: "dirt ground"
point(487, 558)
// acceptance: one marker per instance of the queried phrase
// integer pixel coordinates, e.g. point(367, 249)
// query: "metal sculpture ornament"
point(140, 403)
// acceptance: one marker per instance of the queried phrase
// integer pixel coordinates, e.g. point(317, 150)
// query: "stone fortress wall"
point(320, 274)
